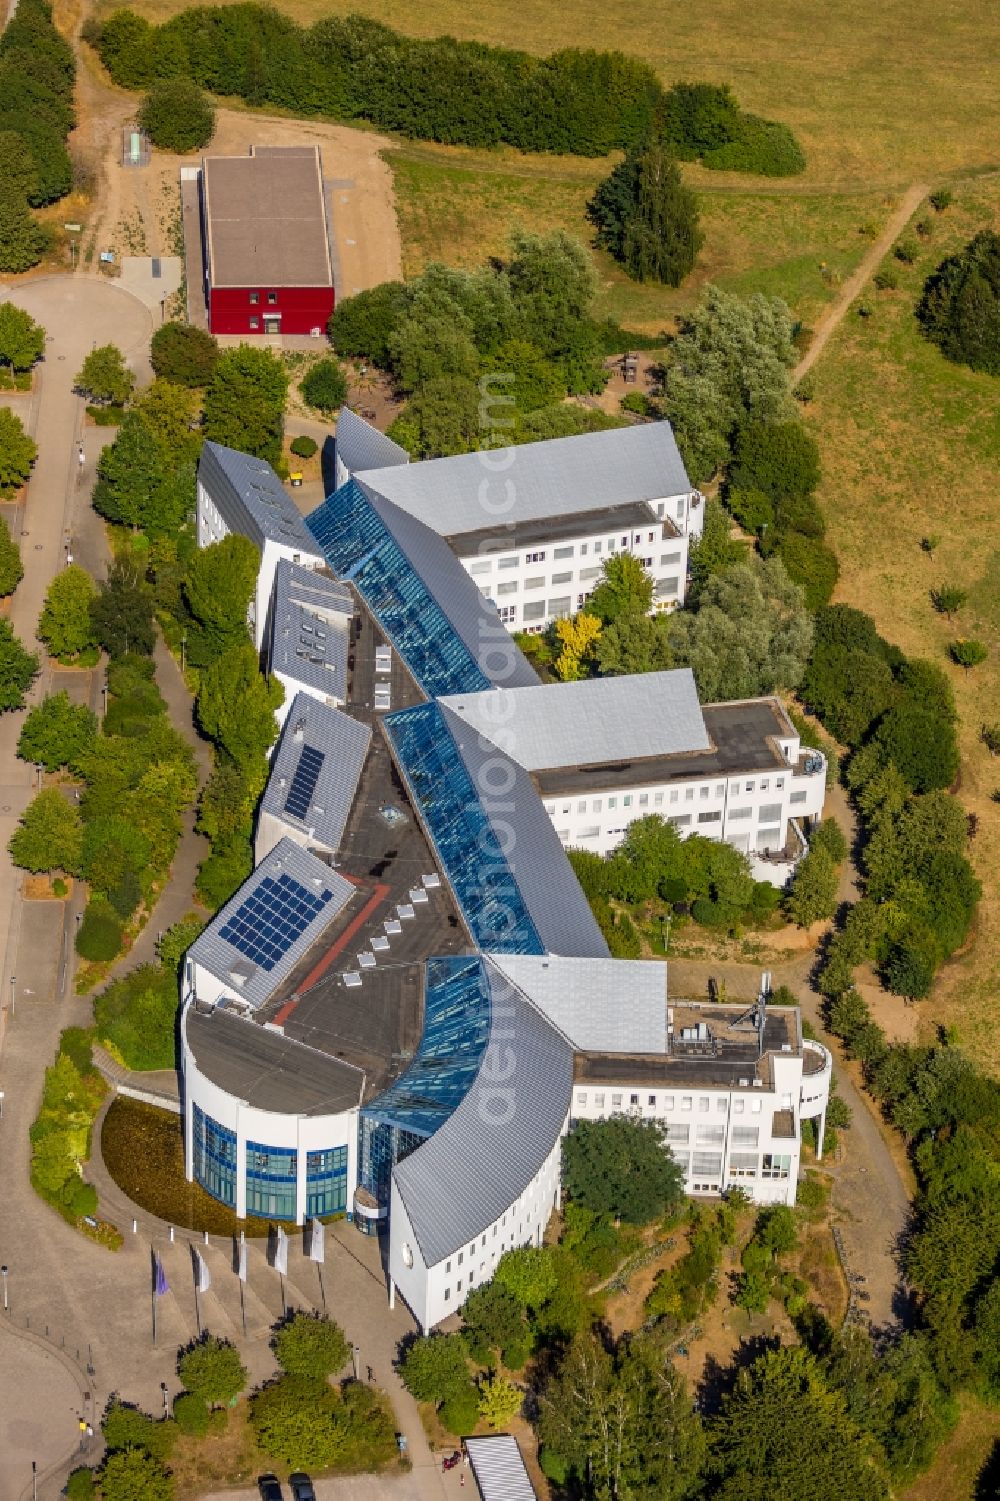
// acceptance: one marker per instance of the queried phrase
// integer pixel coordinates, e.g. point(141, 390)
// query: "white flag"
point(317, 1241)
point(281, 1252)
point(202, 1276)
point(241, 1266)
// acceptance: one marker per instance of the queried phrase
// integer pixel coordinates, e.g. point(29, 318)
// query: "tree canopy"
point(750, 635)
point(621, 1166)
point(18, 668)
point(235, 708)
point(11, 567)
point(22, 340)
point(49, 836)
point(184, 354)
point(245, 402)
point(218, 588)
point(18, 451)
point(647, 218)
point(309, 1344)
point(122, 611)
point(177, 115)
point(57, 733)
point(960, 307)
point(212, 1369)
point(105, 377)
point(65, 623)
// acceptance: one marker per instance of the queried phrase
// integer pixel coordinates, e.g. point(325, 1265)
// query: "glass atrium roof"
point(456, 1031)
point(467, 846)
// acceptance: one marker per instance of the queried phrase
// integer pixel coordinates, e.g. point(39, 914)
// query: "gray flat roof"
point(504, 536)
point(588, 472)
point(237, 946)
point(266, 219)
point(310, 629)
point(267, 1070)
point(483, 1158)
point(251, 499)
point(334, 747)
point(612, 1005)
point(742, 738)
point(361, 446)
point(590, 722)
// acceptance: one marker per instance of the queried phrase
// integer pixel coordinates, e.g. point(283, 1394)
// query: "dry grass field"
point(460, 206)
point(911, 449)
point(877, 93)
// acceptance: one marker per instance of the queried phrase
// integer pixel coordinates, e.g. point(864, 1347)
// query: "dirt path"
point(834, 314)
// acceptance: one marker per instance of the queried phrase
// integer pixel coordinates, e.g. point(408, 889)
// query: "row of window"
point(271, 1172)
point(272, 298)
point(667, 1102)
point(538, 609)
point(706, 1167)
point(485, 564)
point(767, 813)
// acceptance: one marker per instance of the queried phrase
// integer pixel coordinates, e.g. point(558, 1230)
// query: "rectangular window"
point(765, 783)
point(706, 1164)
point(534, 557)
point(737, 813)
point(798, 797)
point(775, 1166)
point(563, 552)
point(633, 1099)
point(779, 783)
point(679, 1135)
point(746, 1136)
point(214, 1155)
point(508, 613)
point(643, 799)
point(255, 323)
point(562, 578)
point(447, 1266)
point(272, 299)
point(482, 566)
point(739, 1106)
point(271, 1180)
point(583, 549)
point(509, 586)
point(769, 813)
point(689, 794)
point(627, 800)
point(581, 1098)
point(447, 1295)
point(680, 510)
point(686, 1102)
point(651, 1100)
point(560, 606)
point(715, 816)
point(612, 803)
point(506, 562)
point(537, 582)
point(657, 799)
point(721, 1106)
point(704, 791)
point(589, 573)
point(535, 610)
point(710, 1136)
point(254, 298)
point(461, 1257)
point(704, 1102)
point(679, 820)
point(743, 1164)
point(666, 558)
point(598, 1101)
point(668, 587)
point(597, 804)
point(674, 795)
point(326, 1182)
point(616, 1102)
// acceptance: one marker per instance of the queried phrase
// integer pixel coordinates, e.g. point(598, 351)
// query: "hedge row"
point(37, 72)
point(352, 68)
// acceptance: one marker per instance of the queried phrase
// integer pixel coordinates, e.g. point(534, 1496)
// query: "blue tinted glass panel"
point(271, 1180)
point(359, 547)
point(300, 793)
point(214, 1153)
point(326, 1181)
point(463, 837)
point(264, 927)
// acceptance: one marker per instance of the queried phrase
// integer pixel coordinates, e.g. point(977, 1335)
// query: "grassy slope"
point(882, 92)
point(911, 447)
point(460, 206)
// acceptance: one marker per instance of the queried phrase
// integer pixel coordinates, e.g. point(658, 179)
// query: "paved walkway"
point(837, 310)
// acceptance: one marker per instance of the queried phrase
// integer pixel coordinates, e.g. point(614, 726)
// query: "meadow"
point(911, 451)
point(878, 94)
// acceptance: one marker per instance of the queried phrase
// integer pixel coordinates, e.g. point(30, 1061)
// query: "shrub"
point(906, 250)
point(886, 278)
point(990, 736)
point(324, 386)
point(968, 652)
point(137, 1015)
point(924, 228)
point(942, 199)
point(948, 599)
point(831, 838)
point(764, 147)
point(435, 1368)
point(460, 1413)
point(212, 1369)
point(779, 458)
point(960, 307)
point(126, 1427)
point(100, 934)
point(177, 115)
point(191, 1414)
point(80, 1485)
point(303, 447)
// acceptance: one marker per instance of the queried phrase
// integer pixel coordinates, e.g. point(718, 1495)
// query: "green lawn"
point(460, 206)
point(911, 448)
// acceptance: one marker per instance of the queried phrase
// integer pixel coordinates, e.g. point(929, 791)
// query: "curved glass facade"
point(456, 1032)
point(214, 1154)
point(271, 1178)
point(477, 870)
point(326, 1182)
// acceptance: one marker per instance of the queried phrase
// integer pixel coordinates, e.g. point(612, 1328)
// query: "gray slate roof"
point(361, 446)
point(599, 1005)
point(482, 1159)
point(252, 500)
point(533, 480)
point(551, 893)
point(310, 629)
point(499, 1469)
point(474, 618)
point(590, 722)
point(244, 978)
point(343, 743)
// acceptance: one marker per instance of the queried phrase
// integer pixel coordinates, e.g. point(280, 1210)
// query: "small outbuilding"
point(266, 236)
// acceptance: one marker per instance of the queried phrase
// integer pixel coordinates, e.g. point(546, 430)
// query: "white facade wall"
point(433, 1292)
point(292, 686)
point(212, 528)
point(304, 1133)
point(723, 1138)
point(750, 812)
point(538, 583)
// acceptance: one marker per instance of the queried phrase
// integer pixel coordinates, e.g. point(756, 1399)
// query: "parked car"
point(270, 1488)
point(302, 1487)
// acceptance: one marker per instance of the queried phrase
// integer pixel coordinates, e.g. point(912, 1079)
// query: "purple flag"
point(160, 1282)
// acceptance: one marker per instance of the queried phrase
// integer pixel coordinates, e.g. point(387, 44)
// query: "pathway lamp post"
point(3, 1274)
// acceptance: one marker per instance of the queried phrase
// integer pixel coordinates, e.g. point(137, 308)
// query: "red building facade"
point(268, 268)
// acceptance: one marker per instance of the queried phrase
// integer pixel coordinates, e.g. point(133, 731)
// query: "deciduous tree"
point(49, 836)
point(245, 402)
point(122, 611)
point(17, 450)
point(57, 733)
point(435, 1368)
point(183, 354)
point(65, 623)
point(621, 1167)
point(647, 218)
point(235, 707)
point(11, 567)
point(212, 1368)
point(18, 668)
point(324, 386)
point(134, 1475)
point(218, 588)
point(22, 340)
point(177, 115)
point(23, 241)
point(310, 1345)
point(105, 377)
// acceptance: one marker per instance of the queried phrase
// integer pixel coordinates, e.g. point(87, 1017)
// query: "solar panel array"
point(300, 793)
point(264, 927)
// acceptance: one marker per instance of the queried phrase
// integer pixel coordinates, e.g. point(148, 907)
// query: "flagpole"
point(322, 1294)
point(243, 1310)
point(281, 1281)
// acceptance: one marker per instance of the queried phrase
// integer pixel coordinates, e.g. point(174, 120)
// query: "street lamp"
point(3, 1274)
point(13, 988)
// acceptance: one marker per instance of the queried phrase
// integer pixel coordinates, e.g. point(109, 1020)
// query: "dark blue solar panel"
point(304, 782)
point(264, 927)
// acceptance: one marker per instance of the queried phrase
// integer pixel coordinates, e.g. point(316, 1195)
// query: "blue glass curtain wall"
point(360, 548)
point(326, 1182)
point(456, 1032)
point(214, 1157)
point(271, 1177)
point(478, 873)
